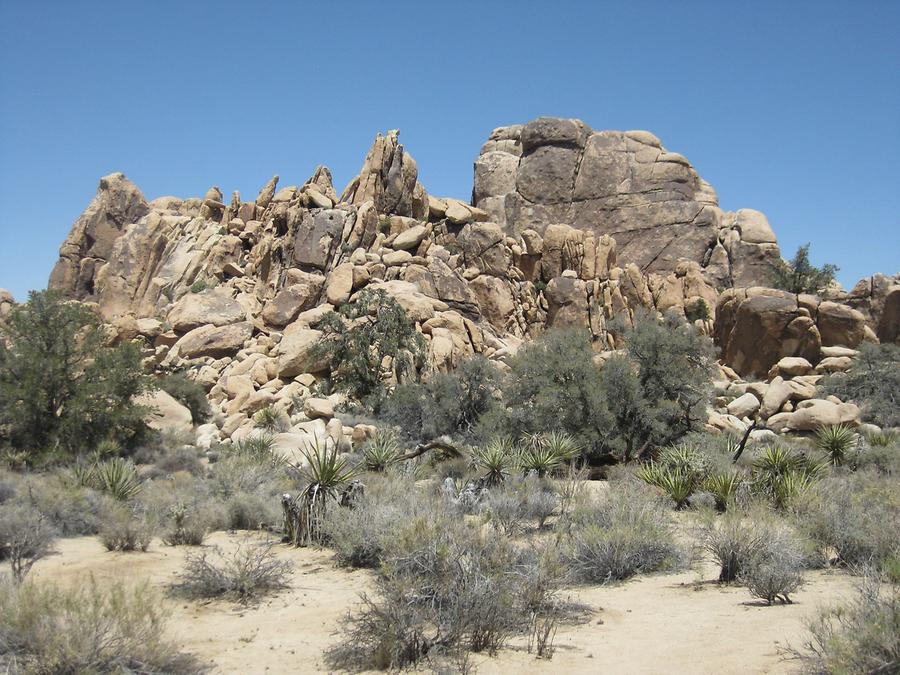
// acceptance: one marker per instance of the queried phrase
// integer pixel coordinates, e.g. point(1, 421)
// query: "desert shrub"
point(836, 441)
point(445, 585)
point(496, 460)
point(25, 538)
point(678, 471)
point(61, 387)
point(724, 487)
point(553, 385)
point(271, 420)
point(447, 403)
point(879, 452)
point(358, 535)
point(872, 381)
point(183, 458)
point(509, 505)
point(361, 334)
point(380, 452)
point(697, 311)
point(70, 508)
point(127, 529)
point(188, 527)
point(7, 489)
point(658, 391)
point(250, 571)
point(624, 532)
point(862, 636)
point(544, 454)
point(251, 511)
point(117, 477)
point(732, 539)
point(857, 516)
point(237, 473)
point(258, 448)
point(773, 571)
point(87, 629)
point(189, 393)
point(799, 275)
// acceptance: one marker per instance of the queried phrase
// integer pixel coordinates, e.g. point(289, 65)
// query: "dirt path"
point(673, 623)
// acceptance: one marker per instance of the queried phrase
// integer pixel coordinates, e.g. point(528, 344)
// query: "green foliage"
point(450, 403)
point(783, 475)
point(675, 482)
point(117, 477)
point(361, 334)
point(258, 449)
point(271, 420)
point(799, 275)
point(87, 628)
point(200, 285)
point(497, 459)
point(836, 441)
point(61, 387)
point(873, 382)
point(190, 394)
point(553, 385)
point(380, 452)
point(723, 487)
point(697, 311)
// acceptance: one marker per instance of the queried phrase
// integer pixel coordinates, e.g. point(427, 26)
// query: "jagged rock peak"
point(624, 184)
point(389, 179)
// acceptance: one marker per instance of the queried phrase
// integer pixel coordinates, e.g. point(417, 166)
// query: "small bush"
point(508, 506)
point(622, 533)
point(190, 394)
point(836, 441)
point(774, 571)
point(87, 629)
point(244, 575)
point(799, 275)
point(380, 452)
point(873, 382)
point(271, 420)
point(189, 527)
point(860, 637)
point(69, 508)
point(251, 511)
point(126, 529)
point(25, 538)
point(184, 458)
point(117, 477)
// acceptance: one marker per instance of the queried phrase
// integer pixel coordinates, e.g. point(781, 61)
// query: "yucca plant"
point(883, 439)
point(782, 474)
point(496, 459)
point(787, 487)
point(260, 449)
point(271, 420)
point(684, 458)
point(723, 487)
point(117, 477)
point(563, 445)
point(324, 472)
point(777, 461)
point(380, 452)
point(678, 483)
point(836, 440)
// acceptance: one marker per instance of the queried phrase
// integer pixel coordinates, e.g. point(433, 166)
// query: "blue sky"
point(792, 108)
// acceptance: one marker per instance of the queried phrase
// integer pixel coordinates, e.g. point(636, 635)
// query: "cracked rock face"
point(624, 184)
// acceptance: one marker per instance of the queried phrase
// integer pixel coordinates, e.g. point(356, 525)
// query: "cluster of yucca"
point(539, 454)
point(117, 477)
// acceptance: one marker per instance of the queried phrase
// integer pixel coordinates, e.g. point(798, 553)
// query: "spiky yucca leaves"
point(723, 487)
point(836, 440)
point(271, 420)
point(496, 459)
point(117, 477)
point(883, 439)
point(324, 472)
point(545, 453)
point(678, 483)
point(783, 475)
point(380, 452)
point(259, 449)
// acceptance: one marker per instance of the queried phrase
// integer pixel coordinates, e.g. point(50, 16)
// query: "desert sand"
point(667, 623)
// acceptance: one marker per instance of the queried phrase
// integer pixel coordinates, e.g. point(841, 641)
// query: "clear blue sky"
point(792, 108)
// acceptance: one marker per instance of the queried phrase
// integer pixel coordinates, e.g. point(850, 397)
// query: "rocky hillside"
point(567, 227)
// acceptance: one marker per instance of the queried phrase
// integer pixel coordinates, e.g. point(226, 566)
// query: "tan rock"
point(318, 408)
point(339, 284)
point(213, 307)
point(166, 413)
point(214, 341)
point(297, 354)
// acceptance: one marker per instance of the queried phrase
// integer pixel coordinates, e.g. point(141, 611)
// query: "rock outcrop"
point(569, 228)
point(622, 184)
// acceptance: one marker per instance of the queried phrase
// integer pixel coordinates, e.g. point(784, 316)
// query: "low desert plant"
point(836, 441)
point(127, 529)
point(380, 452)
point(496, 460)
point(783, 475)
point(117, 477)
point(862, 636)
point(509, 505)
point(88, 628)
point(183, 458)
point(724, 488)
point(188, 526)
point(25, 538)
point(736, 537)
point(250, 571)
point(622, 533)
point(271, 420)
point(258, 448)
point(68, 507)
point(677, 483)
point(773, 570)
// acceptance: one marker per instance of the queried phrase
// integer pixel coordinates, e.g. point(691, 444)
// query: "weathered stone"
point(297, 354)
point(214, 341)
point(318, 408)
point(213, 307)
point(290, 301)
point(165, 413)
point(744, 406)
point(339, 284)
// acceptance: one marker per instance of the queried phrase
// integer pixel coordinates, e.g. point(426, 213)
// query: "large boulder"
point(90, 242)
point(840, 325)
point(755, 328)
point(214, 341)
point(214, 307)
point(297, 354)
point(291, 300)
point(625, 184)
point(165, 413)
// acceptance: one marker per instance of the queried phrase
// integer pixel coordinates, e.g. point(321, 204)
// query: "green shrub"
point(872, 381)
point(380, 452)
point(249, 572)
point(271, 420)
point(189, 393)
point(697, 311)
point(361, 334)
point(836, 441)
point(496, 459)
point(184, 458)
point(62, 389)
point(25, 538)
point(724, 487)
point(619, 534)
point(87, 629)
point(783, 475)
point(799, 275)
point(862, 636)
point(116, 477)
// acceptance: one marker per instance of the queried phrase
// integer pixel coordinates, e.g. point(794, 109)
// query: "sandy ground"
point(671, 623)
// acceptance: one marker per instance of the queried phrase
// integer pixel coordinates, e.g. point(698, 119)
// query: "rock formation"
point(568, 228)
